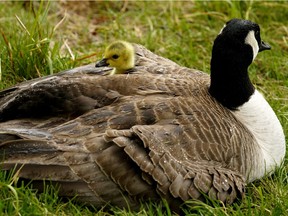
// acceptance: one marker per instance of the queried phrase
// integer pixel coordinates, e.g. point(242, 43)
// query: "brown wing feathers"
point(124, 138)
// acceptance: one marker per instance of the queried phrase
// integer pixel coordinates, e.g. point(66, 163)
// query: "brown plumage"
point(154, 133)
point(136, 140)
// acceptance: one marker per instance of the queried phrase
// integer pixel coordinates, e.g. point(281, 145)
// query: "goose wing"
point(151, 134)
point(66, 93)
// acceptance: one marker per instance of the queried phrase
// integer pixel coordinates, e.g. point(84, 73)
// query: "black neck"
point(230, 83)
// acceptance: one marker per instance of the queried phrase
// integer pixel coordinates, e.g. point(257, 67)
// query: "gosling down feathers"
point(120, 56)
point(163, 131)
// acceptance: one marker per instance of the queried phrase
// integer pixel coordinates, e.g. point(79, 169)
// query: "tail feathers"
point(23, 133)
point(74, 173)
point(36, 152)
point(120, 167)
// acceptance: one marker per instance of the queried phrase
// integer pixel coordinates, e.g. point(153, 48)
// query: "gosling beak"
point(264, 46)
point(102, 63)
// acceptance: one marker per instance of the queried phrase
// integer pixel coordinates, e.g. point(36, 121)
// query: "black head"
point(234, 49)
point(239, 38)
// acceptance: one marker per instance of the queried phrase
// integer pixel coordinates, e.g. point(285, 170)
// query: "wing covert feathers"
point(120, 139)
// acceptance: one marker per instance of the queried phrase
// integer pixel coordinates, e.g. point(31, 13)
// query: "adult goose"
point(162, 131)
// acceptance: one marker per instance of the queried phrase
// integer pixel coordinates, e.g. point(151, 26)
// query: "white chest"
point(260, 119)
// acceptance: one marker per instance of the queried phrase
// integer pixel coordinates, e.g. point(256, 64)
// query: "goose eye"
point(115, 56)
point(257, 33)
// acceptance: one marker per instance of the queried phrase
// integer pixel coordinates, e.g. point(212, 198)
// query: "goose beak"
point(264, 46)
point(102, 63)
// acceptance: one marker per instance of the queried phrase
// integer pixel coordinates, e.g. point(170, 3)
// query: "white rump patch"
point(251, 40)
point(262, 122)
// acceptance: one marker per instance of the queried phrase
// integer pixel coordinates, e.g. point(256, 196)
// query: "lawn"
point(42, 38)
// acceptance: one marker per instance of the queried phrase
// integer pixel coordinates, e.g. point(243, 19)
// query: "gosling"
point(120, 55)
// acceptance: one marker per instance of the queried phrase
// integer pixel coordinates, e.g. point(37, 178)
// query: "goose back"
point(153, 133)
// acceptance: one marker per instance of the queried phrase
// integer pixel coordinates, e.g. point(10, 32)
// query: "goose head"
point(120, 55)
point(234, 49)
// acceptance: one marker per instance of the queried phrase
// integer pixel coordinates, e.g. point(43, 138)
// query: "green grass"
point(43, 38)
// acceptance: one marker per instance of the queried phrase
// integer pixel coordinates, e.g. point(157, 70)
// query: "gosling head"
point(120, 55)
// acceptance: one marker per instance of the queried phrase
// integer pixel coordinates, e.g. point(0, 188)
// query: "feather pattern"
point(153, 133)
point(157, 125)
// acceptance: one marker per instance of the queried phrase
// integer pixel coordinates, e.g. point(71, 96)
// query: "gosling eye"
point(115, 56)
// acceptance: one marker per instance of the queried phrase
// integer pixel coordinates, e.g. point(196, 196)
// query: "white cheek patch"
point(251, 40)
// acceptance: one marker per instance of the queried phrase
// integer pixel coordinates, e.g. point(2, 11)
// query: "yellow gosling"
point(120, 55)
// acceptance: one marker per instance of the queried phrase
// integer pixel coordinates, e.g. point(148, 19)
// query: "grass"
point(41, 38)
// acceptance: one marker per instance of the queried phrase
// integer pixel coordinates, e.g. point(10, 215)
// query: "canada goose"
point(120, 56)
point(165, 131)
